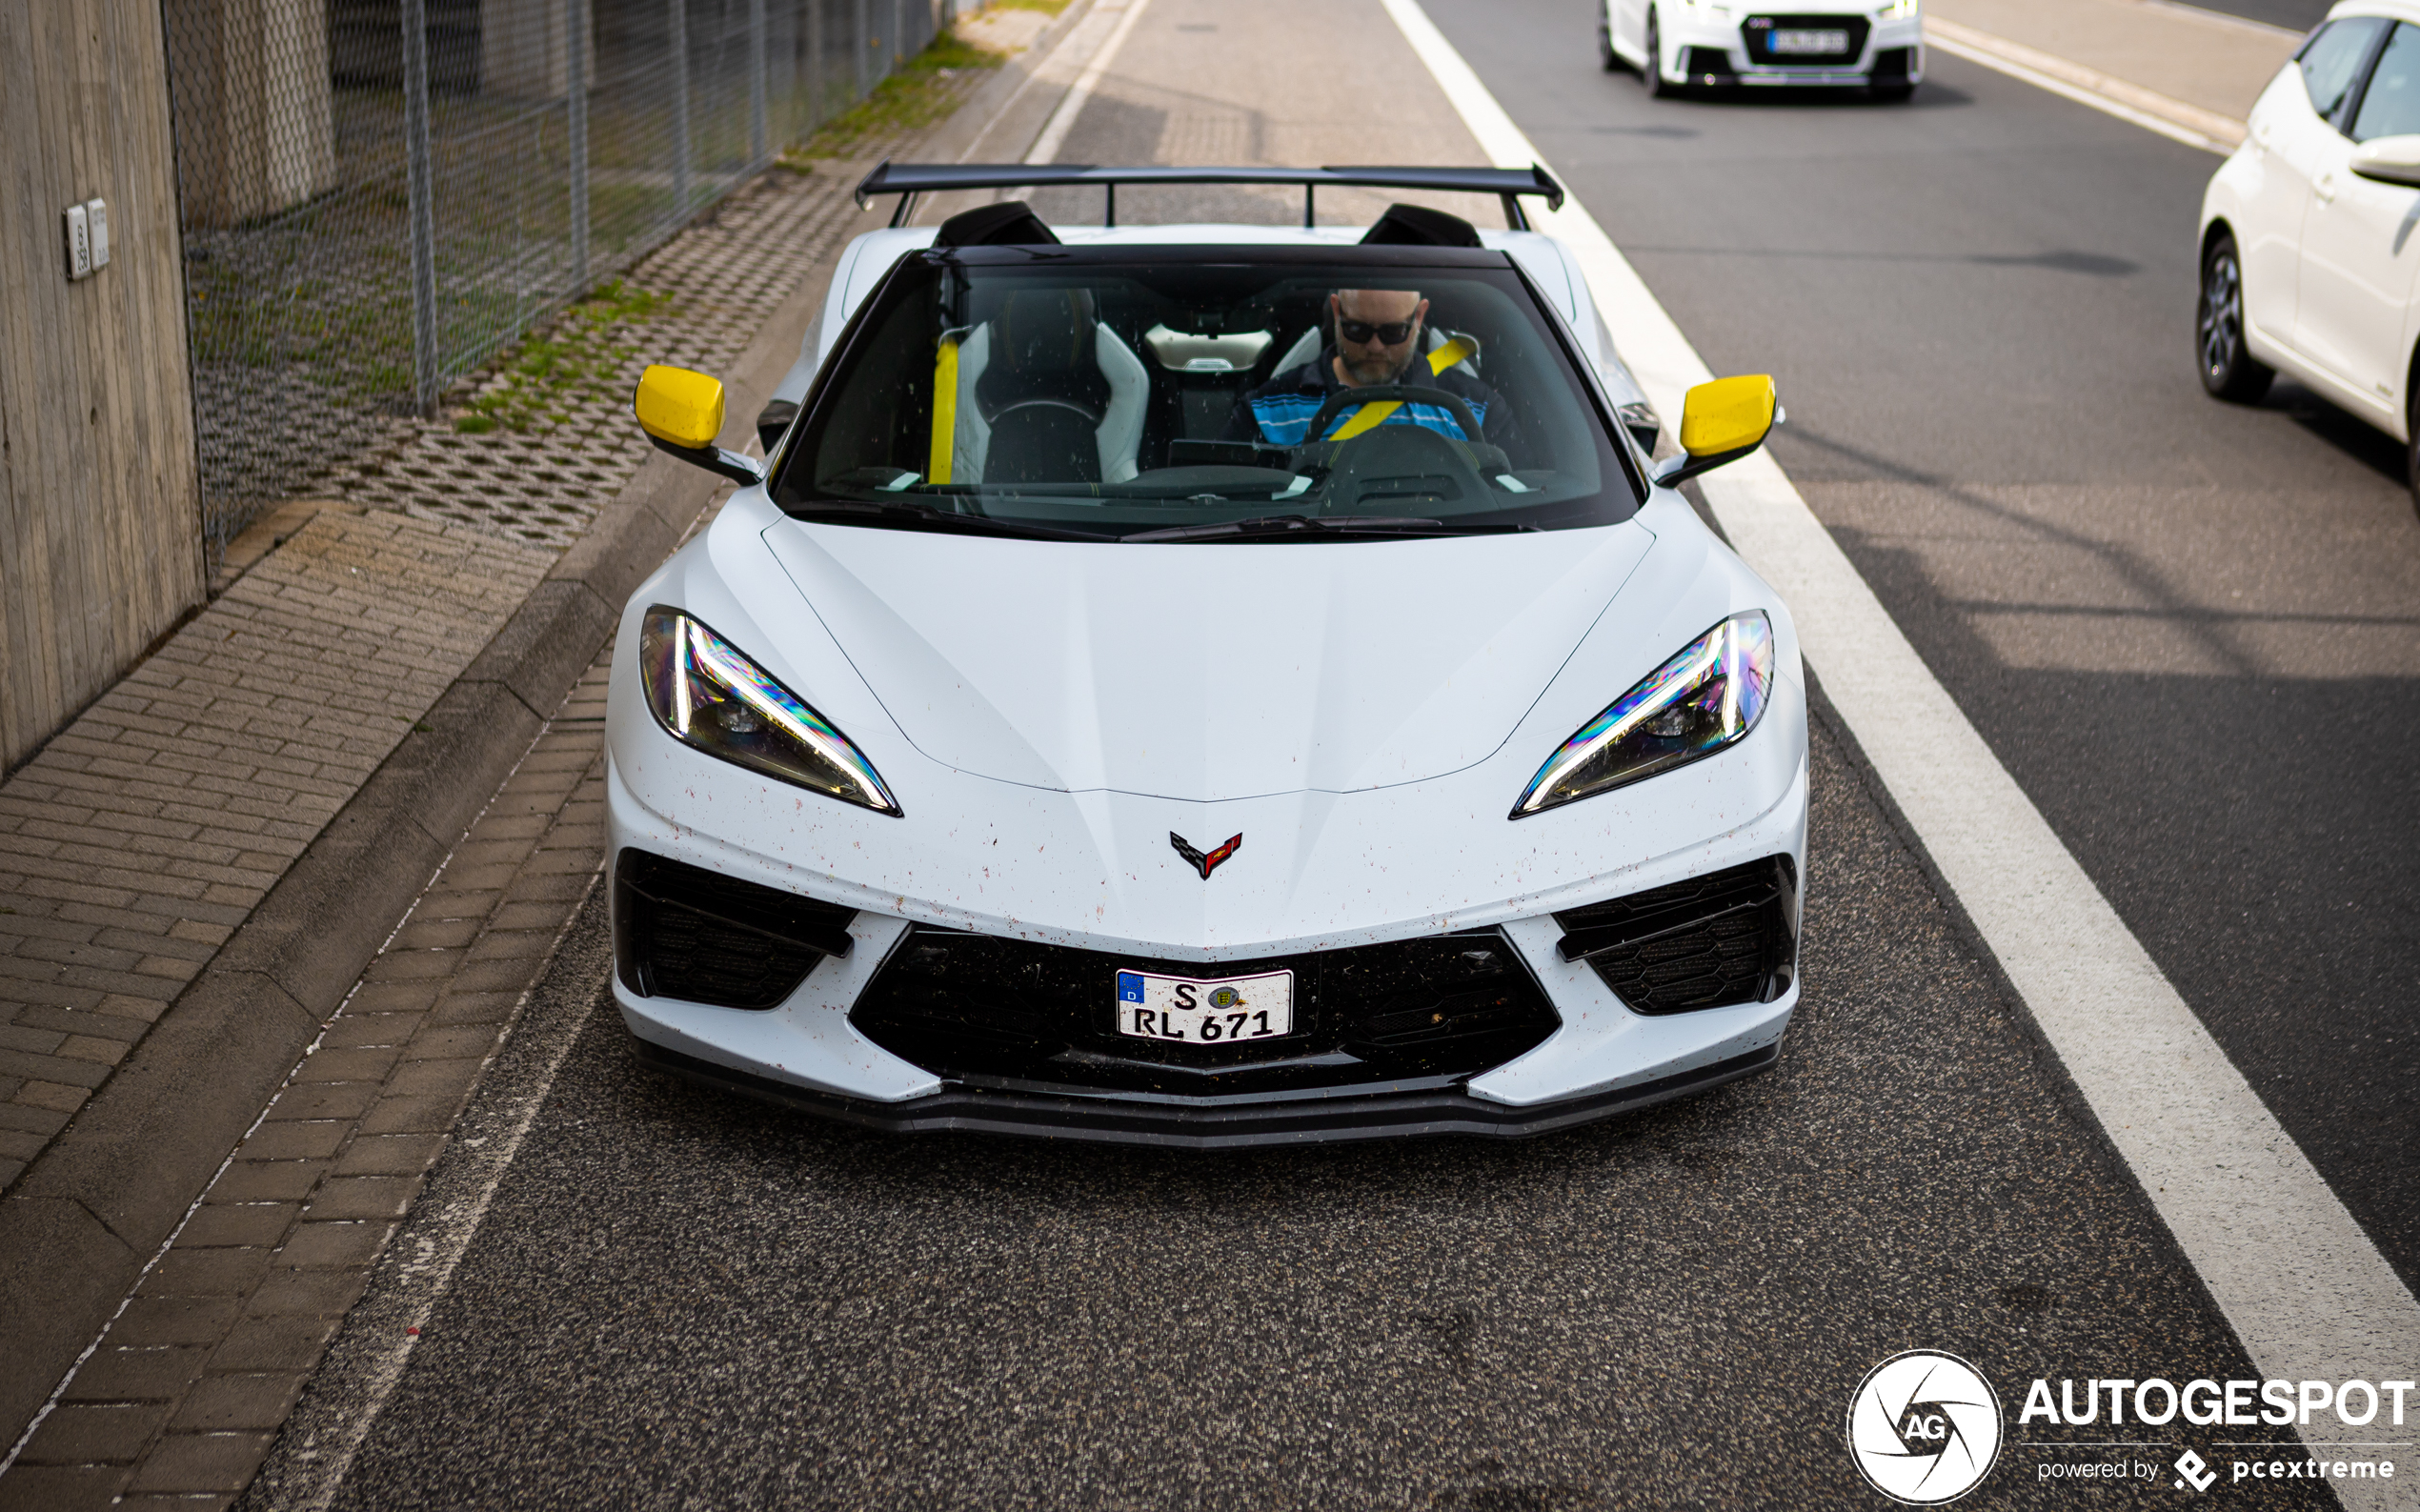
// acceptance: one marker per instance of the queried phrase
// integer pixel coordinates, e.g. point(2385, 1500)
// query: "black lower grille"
point(1892, 63)
point(989, 1010)
point(1756, 32)
point(1729, 937)
point(1705, 65)
point(680, 931)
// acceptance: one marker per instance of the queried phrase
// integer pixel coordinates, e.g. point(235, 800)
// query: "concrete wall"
point(100, 534)
point(253, 104)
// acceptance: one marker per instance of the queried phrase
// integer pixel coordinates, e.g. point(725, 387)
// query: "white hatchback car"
point(1679, 43)
point(1207, 685)
point(2310, 261)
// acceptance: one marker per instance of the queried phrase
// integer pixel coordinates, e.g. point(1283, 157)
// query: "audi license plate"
point(1205, 1011)
point(1810, 44)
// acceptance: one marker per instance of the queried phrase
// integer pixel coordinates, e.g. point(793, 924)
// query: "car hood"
point(1205, 672)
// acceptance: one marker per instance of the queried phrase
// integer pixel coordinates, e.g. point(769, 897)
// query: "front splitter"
point(1200, 1123)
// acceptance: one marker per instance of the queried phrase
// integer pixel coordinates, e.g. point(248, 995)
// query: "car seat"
point(1042, 392)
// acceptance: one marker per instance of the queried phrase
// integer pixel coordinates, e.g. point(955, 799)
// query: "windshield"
point(1084, 395)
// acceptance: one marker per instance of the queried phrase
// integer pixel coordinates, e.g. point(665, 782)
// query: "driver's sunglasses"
point(1361, 333)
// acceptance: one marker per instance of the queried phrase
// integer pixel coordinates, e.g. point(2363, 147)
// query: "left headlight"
point(1707, 697)
point(706, 694)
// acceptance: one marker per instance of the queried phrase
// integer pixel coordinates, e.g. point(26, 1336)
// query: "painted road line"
point(1054, 134)
point(1034, 70)
point(2148, 108)
point(2303, 1286)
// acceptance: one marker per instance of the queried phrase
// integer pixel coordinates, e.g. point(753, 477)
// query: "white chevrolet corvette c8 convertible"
point(1208, 685)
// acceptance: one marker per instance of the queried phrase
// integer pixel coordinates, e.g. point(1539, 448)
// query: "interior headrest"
point(1045, 330)
point(1412, 226)
point(1010, 223)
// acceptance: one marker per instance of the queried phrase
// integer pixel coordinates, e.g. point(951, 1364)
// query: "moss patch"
point(916, 95)
point(580, 357)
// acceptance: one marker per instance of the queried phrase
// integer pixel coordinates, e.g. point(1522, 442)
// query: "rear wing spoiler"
point(909, 180)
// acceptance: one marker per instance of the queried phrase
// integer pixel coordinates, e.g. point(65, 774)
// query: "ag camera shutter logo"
point(1924, 1427)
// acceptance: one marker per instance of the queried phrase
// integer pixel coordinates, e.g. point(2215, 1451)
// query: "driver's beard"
point(1365, 374)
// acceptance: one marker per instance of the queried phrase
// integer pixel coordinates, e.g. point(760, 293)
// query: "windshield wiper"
point(909, 515)
point(1278, 527)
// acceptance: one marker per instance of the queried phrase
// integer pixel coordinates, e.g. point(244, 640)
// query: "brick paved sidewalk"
point(192, 873)
point(134, 843)
point(180, 1400)
point(189, 877)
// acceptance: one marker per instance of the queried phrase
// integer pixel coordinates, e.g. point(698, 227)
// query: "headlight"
point(1702, 701)
point(706, 694)
point(1897, 11)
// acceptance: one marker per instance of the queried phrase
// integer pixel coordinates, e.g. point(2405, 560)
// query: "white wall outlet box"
point(79, 243)
point(97, 220)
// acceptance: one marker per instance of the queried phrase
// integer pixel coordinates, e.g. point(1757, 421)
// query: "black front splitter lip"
point(1327, 1120)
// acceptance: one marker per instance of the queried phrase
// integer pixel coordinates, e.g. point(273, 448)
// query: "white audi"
point(2308, 262)
point(1208, 685)
point(1686, 44)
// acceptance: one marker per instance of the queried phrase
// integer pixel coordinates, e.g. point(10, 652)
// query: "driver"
point(1380, 339)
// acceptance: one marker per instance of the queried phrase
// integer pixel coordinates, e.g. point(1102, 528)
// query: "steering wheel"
point(1405, 392)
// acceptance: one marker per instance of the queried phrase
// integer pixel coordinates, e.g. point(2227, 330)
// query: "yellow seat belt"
point(944, 410)
point(1370, 416)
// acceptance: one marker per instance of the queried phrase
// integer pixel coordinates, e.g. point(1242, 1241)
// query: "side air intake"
point(680, 931)
point(1729, 937)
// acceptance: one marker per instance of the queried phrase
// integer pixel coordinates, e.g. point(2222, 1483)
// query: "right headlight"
point(1707, 697)
point(707, 695)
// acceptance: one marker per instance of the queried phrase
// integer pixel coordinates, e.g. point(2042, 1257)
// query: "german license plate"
point(1205, 1011)
point(1810, 44)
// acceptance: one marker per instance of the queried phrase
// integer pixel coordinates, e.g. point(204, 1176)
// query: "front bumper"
point(1720, 46)
point(1592, 1056)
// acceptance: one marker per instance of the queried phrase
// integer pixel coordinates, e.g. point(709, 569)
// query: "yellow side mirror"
point(1721, 422)
point(678, 406)
point(682, 412)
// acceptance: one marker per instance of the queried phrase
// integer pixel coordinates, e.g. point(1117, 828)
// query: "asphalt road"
point(2187, 629)
point(680, 1298)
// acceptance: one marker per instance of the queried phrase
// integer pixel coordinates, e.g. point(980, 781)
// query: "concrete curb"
point(2173, 118)
point(108, 1192)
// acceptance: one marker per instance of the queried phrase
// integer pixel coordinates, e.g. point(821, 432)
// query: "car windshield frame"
point(1261, 509)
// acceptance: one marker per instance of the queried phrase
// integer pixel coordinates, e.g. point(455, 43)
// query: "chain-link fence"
point(379, 195)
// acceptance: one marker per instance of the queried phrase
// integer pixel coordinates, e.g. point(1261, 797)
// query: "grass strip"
point(580, 357)
point(917, 94)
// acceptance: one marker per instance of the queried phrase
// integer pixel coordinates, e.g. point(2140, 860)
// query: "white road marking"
point(1054, 134)
point(2302, 1286)
point(2154, 111)
point(1034, 70)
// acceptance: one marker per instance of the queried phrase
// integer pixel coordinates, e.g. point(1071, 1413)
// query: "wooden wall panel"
point(100, 506)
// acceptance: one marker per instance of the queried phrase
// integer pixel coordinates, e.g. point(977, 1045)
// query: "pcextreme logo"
point(1924, 1427)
